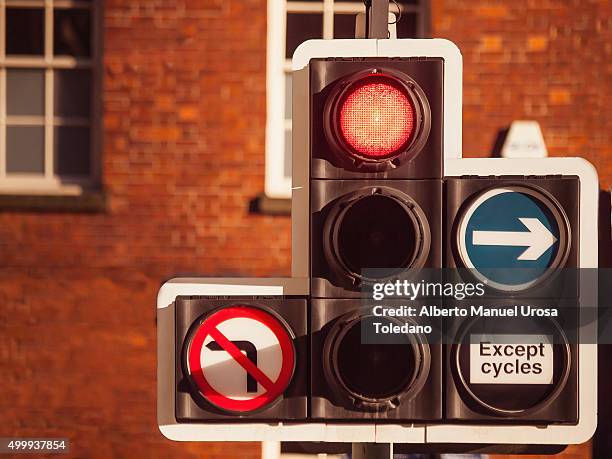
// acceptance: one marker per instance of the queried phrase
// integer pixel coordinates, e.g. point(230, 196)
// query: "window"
point(290, 23)
point(48, 135)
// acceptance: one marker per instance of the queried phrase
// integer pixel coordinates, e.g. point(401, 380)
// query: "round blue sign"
point(512, 237)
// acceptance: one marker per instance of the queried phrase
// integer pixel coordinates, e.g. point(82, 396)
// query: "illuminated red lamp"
point(377, 118)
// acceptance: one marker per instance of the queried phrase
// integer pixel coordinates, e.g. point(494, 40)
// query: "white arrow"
point(538, 239)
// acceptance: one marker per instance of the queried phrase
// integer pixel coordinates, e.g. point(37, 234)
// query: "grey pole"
point(372, 451)
point(379, 19)
point(377, 26)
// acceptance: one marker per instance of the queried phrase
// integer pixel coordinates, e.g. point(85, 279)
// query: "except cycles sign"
point(498, 359)
point(241, 358)
point(512, 366)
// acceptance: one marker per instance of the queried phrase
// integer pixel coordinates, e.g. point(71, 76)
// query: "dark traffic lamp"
point(371, 230)
point(359, 375)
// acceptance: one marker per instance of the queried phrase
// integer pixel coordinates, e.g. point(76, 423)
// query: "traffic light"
point(394, 378)
point(230, 350)
point(370, 119)
point(380, 193)
point(376, 118)
point(240, 357)
point(519, 236)
point(376, 164)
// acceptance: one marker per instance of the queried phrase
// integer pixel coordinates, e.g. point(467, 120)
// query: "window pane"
point(288, 96)
point(72, 93)
point(302, 27)
point(344, 26)
point(25, 92)
point(287, 158)
point(25, 31)
point(25, 149)
point(72, 151)
point(407, 26)
point(72, 32)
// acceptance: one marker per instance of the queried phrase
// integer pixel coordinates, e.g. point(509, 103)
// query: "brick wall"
point(544, 60)
point(184, 117)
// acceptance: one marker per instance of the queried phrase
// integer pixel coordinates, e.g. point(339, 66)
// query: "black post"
point(372, 451)
point(377, 19)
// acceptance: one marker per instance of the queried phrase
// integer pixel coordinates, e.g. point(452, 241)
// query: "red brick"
point(559, 96)
point(491, 43)
point(537, 43)
point(491, 11)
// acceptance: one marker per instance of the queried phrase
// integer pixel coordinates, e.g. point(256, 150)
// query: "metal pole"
point(372, 451)
point(378, 26)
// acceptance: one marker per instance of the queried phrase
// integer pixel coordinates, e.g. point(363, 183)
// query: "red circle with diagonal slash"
point(274, 389)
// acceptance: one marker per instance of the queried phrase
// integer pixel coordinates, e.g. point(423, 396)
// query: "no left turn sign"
point(241, 358)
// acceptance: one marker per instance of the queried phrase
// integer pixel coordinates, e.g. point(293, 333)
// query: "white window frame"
point(49, 183)
point(276, 184)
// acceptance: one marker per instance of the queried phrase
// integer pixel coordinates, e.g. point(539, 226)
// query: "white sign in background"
point(500, 359)
point(524, 140)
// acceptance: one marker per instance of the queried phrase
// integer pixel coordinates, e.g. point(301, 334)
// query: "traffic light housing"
point(376, 164)
point(562, 410)
point(484, 213)
point(406, 170)
point(363, 231)
point(225, 388)
point(376, 118)
point(353, 377)
point(520, 236)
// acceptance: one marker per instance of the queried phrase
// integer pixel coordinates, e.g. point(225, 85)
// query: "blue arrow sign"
point(510, 236)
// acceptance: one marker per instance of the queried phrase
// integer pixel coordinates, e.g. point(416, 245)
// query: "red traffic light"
point(377, 117)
